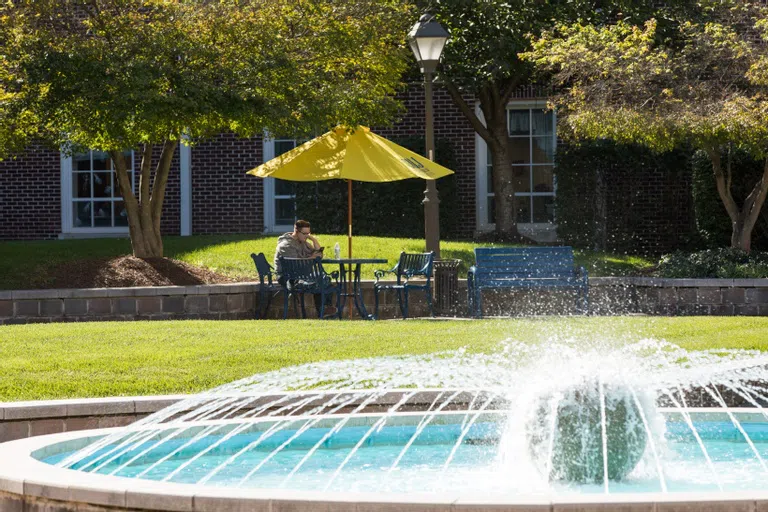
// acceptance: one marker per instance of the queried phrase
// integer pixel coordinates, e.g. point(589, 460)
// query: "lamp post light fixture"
point(427, 39)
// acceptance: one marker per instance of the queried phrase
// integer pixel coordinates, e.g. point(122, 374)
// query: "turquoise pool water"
point(358, 459)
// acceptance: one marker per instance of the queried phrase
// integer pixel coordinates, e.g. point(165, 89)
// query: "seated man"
point(299, 244)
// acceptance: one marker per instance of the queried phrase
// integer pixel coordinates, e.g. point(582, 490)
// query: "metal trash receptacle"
point(446, 287)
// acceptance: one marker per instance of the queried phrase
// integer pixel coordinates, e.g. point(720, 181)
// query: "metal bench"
point(524, 267)
point(409, 266)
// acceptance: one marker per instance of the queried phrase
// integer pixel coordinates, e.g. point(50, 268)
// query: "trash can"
point(446, 287)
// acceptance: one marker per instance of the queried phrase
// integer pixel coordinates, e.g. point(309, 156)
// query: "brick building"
point(45, 194)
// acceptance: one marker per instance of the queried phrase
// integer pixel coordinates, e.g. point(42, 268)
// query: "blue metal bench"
point(524, 267)
point(409, 266)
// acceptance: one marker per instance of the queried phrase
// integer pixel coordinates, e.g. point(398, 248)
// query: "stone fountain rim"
point(29, 478)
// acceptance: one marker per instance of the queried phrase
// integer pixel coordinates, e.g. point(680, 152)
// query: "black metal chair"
point(267, 288)
point(410, 265)
point(300, 276)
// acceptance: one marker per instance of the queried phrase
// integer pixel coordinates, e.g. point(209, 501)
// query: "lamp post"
point(427, 39)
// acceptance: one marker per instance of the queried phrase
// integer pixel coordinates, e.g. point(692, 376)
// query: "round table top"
point(354, 260)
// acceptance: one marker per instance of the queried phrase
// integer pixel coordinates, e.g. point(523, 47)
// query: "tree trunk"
point(742, 219)
point(504, 191)
point(145, 212)
point(493, 129)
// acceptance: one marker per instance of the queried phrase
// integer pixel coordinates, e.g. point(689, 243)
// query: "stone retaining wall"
point(19, 420)
point(607, 295)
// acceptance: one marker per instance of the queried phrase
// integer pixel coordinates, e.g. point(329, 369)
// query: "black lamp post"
point(427, 39)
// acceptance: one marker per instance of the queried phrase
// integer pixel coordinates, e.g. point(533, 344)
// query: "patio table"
point(353, 266)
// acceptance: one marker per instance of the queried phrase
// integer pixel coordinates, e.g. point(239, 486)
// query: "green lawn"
point(39, 361)
point(27, 264)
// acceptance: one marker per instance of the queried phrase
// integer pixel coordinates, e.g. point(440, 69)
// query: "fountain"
point(560, 423)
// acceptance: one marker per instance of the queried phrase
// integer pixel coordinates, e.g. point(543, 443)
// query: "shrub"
point(725, 263)
point(623, 198)
point(382, 209)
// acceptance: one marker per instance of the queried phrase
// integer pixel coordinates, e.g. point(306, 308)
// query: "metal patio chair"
point(267, 288)
point(300, 276)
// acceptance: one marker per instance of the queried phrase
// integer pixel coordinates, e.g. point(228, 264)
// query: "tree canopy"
point(481, 60)
point(120, 74)
point(698, 79)
point(113, 74)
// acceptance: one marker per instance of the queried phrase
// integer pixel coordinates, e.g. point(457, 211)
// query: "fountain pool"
point(646, 425)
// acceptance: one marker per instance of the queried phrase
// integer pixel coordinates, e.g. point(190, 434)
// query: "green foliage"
point(579, 164)
point(487, 36)
point(712, 221)
point(382, 209)
point(695, 82)
point(724, 263)
point(115, 74)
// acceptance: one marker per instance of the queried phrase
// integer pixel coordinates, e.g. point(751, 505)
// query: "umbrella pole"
point(349, 240)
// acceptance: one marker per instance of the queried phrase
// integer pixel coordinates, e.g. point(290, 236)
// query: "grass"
point(46, 361)
point(22, 263)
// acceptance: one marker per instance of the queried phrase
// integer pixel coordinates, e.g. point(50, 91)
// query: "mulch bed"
point(127, 271)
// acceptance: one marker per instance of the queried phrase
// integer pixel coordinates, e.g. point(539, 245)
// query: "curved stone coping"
point(36, 480)
point(76, 407)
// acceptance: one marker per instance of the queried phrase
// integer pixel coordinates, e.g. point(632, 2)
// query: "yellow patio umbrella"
point(350, 154)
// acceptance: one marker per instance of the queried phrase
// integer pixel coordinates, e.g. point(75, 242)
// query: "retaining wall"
point(607, 295)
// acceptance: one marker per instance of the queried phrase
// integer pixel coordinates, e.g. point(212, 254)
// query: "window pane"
point(491, 210)
point(520, 150)
point(518, 122)
point(284, 188)
point(81, 162)
point(542, 178)
point(121, 216)
point(285, 211)
point(101, 161)
point(543, 150)
point(543, 208)
point(102, 214)
point(81, 184)
point(542, 122)
point(281, 146)
point(102, 184)
point(524, 209)
point(521, 178)
point(81, 214)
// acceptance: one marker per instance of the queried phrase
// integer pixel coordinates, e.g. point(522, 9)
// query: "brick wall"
point(451, 125)
point(170, 222)
point(30, 204)
point(224, 198)
point(30, 195)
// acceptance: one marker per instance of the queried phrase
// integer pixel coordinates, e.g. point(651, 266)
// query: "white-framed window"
point(532, 135)
point(279, 195)
point(91, 200)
